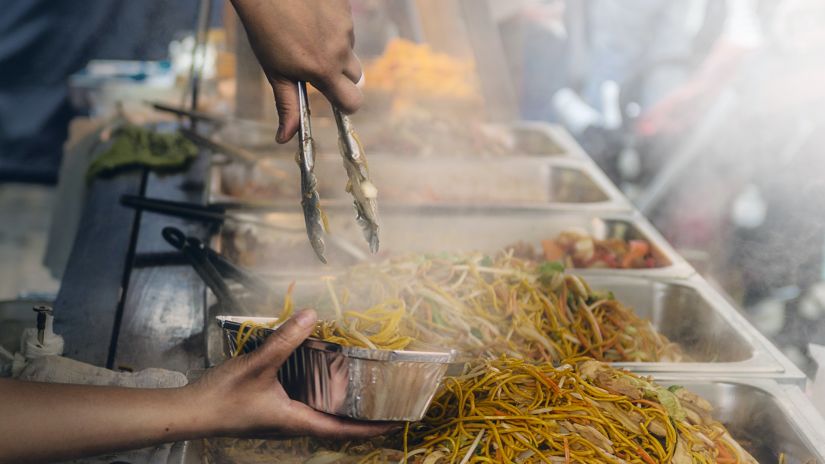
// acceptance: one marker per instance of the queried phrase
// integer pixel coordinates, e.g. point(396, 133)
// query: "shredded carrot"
point(566, 451)
point(550, 383)
point(646, 456)
point(652, 404)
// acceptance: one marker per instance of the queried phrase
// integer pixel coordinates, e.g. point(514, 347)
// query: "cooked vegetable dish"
point(578, 250)
point(537, 389)
point(484, 306)
point(512, 410)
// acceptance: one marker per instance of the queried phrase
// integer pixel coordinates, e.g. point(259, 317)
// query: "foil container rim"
point(435, 357)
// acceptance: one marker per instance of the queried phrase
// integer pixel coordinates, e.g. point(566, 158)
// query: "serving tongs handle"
point(195, 115)
point(196, 253)
point(234, 272)
point(186, 210)
point(211, 214)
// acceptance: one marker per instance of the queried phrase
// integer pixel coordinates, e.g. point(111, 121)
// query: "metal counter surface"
point(162, 322)
point(127, 300)
point(88, 303)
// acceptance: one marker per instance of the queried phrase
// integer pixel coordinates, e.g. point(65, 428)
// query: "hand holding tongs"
point(359, 185)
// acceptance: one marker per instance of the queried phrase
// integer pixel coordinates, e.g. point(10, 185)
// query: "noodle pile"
point(484, 306)
point(374, 328)
point(518, 319)
point(509, 410)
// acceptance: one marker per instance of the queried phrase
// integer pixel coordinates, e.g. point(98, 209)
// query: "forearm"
point(42, 422)
point(723, 59)
point(48, 422)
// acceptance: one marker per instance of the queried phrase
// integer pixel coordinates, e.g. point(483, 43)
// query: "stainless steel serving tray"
point(503, 181)
point(545, 139)
point(711, 332)
point(532, 138)
point(433, 229)
point(717, 338)
point(766, 418)
point(538, 141)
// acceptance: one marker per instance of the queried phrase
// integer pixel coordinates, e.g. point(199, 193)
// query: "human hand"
point(243, 395)
point(675, 113)
point(682, 108)
point(303, 40)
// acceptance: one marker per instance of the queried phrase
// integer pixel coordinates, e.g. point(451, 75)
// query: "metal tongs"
point(359, 185)
point(214, 269)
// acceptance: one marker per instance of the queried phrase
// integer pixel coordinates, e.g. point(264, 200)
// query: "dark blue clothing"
point(43, 42)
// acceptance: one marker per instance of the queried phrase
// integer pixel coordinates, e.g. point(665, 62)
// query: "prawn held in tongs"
point(359, 184)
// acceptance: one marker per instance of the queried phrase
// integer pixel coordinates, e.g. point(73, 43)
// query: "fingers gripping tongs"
point(359, 185)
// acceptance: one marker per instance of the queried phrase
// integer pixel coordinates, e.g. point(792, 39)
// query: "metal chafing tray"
point(503, 181)
point(533, 138)
point(717, 338)
point(766, 418)
point(433, 229)
point(541, 138)
point(537, 141)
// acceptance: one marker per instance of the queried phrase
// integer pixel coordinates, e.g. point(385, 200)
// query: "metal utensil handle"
point(345, 132)
point(215, 214)
point(310, 201)
point(232, 271)
point(225, 268)
point(305, 129)
point(194, 251)
point(194, 114)
point(174, 237)
point(175, 208)
point(241, 154)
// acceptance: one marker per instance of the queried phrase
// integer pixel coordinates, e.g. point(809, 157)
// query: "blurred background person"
point(747, 198)
point(708, 114)
point(43, 42)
